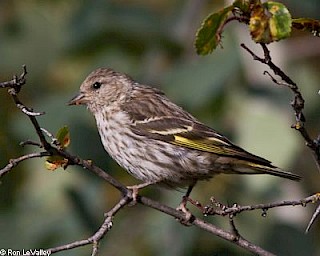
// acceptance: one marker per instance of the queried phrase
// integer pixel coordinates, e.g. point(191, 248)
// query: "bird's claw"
point(187, 221)
point(135, 190)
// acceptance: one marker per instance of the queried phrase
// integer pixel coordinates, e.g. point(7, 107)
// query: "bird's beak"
point(79, 99)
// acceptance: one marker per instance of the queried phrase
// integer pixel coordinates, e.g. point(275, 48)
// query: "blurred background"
point(152, 41)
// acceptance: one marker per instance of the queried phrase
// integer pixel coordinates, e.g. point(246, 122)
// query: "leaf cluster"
point(267, 22)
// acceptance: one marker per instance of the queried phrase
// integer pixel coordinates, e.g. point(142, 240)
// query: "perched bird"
point(157, 141)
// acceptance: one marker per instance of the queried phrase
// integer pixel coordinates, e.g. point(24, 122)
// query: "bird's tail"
point(254, 168)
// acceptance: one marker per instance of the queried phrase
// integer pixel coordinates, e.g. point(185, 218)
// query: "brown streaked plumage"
point(157, 141)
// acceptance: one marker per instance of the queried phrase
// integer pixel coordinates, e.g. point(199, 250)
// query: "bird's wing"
point(155, 117)
point(188, 133)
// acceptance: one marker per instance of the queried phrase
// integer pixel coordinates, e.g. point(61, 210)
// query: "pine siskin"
point(157, 141)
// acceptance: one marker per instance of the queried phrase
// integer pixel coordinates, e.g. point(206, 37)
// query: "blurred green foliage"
point(62, 41)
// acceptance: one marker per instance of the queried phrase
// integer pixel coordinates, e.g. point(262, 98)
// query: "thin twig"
point(54, 140)
point(28, 112)
point(234, 230)
point(297, 103)
point(105, 227)
point(30, 142)
point(314, 216)
point(235, 209)
point(95, 249)
point(96, 237)
point(14, 162)
point(231, 237)
point(15, 86)
point(52, 149)
point(87, 164)
point(17, 82)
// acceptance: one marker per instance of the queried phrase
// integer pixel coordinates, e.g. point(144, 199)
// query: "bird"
point(157, 141)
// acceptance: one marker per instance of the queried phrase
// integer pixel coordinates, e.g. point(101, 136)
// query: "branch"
point(217, 209)
point(86, 164)
point(314, 216)
point(15, 86)
point(127, 196)
point(297, 103)
point(229, 236)
point(106, 226)
point(14, 162)
point(102, 231)
point(17, 82)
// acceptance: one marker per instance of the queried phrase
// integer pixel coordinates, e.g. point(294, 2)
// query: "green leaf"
point(280, 22)
point(269, 22)
point(54, 162)
point(311, 25)
point(63, 136)
point(209, 35)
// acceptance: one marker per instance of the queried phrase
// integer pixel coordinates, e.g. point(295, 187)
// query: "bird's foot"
point(187, 221)
point(135, 189)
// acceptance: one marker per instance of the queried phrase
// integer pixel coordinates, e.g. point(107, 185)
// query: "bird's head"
point(102, 88)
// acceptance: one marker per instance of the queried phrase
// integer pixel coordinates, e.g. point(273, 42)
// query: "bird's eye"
point(96, 85)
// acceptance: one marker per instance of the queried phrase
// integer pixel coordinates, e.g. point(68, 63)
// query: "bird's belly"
point(156, 161)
